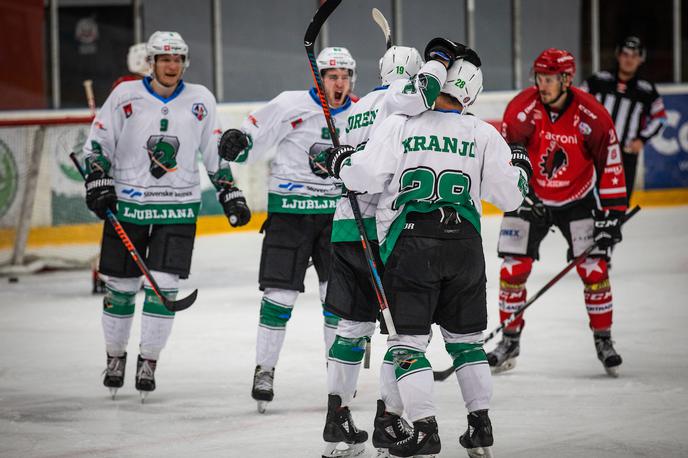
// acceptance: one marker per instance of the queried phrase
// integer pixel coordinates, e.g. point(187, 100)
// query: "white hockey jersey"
point(432, 160)
point(407, 97)
point(152, 145)
point(294, 121)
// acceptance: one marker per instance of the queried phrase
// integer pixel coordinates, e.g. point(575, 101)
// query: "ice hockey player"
point(137, 64)
point(577, 185)
point(432, 171)
point(141, 160)
point(409, 89)
point(301, 201)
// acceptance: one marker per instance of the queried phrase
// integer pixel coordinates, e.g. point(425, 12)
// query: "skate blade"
point(342, 449)
point(432, 455)
point(382, 453)
point(507, 365)
point(262, 406)
point(480, 452)
point(144, 395)
point(612, 371)
point(113, 393)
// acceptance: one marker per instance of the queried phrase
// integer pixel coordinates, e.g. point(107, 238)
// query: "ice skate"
point(262, 387)
point(389, 428)
point(114, 373)
point(503, 357)
point(342, 438)
point(145, 377)
point(424, 442)
point(606, 353)
point(478, 440)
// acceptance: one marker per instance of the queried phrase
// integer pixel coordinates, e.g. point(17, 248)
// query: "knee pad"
point(593, 270)
point(119, 303)
point(169, 284)
point(276, 307)
point(348, 350)
point(407, 361)
point(515, 270)
point(464, 349)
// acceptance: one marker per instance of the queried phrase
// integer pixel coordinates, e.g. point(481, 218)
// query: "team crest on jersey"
point(199, 111)
point(162, 151)
point(584, 128)
point(554, 161)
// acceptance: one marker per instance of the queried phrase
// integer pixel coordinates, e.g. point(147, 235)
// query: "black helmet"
point(633, 43)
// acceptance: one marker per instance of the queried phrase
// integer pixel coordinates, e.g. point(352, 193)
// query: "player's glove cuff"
point(520, 158)
point(336, 156)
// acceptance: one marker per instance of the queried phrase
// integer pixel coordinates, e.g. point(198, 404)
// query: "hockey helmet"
point(632, 43)
point(399, 62)
point(335, 57)
point(555, 61)
point(137, 59)
point(464, 82)
point(167, 43)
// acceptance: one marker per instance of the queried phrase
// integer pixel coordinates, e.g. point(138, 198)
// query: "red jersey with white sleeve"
point(573, 154)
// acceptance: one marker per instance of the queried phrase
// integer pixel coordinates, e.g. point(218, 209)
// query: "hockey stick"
point(309, 42)
point(172, 306)
point(381, 21)
point(443, 375)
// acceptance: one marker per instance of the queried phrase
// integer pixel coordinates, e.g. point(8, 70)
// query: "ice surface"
point(557, 402)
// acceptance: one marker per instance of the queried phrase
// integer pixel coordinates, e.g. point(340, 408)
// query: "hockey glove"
point(519, 158)
point(336, 157)
point(472, 57)
point(232, 143)
point(235, 207)
point(607, 231)
point(533, 210)
point(100, 193)
point(443, 50)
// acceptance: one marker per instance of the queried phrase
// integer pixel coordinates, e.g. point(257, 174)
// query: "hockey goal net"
point(44, 221)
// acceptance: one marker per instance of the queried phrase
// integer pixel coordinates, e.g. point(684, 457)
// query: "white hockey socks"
point(414, 375)
point(275, 310)
point(118, 312)
point(330, 321)
point(156, 321)
point(471, 368)
point(346, 354)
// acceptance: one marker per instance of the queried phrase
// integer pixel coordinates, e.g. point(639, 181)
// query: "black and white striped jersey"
point(635, 105)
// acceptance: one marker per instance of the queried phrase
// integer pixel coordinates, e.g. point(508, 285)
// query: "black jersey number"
point(422, 184)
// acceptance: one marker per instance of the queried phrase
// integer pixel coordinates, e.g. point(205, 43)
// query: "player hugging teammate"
point(431, 171)
point(141, 161)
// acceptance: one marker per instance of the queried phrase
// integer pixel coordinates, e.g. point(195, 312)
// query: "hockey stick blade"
point(381, 21)
point(440, 376)
point(317, 22)
point(181, 304)
point(171, 305)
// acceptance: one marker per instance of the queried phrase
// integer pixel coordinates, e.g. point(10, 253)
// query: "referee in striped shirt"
point(634, 104)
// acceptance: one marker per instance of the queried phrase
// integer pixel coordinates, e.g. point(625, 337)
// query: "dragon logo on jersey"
point(9, 178)
point(554, 161)
point(162, 151)
point(317, 159)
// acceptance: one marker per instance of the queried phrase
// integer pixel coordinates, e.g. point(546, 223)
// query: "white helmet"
point(337, 58)
point(136, 59)
point(464, 82)
point(167, 43)
point(399, 62)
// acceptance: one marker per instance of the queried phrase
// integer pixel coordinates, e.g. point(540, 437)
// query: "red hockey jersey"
point(571, 155)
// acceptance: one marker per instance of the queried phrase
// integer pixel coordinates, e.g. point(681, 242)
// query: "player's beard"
point(162, 81)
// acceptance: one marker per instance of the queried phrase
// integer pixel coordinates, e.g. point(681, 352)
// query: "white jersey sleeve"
point(371, 169)
point(269, 125)
point(210, 137)
point(412, 97)
point(499, 178)
point(103, 140)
